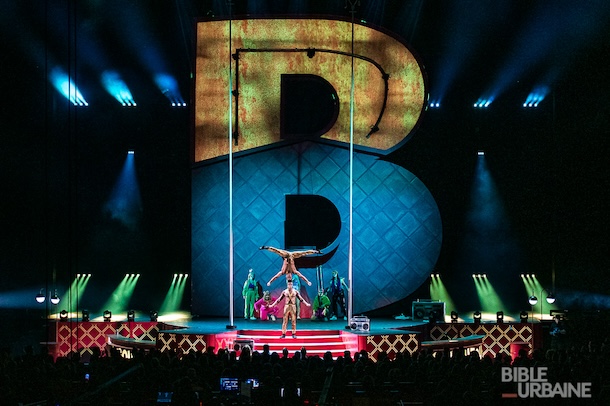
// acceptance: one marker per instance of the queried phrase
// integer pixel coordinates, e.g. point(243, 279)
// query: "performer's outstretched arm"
point(303, 300)
point(277, 275)
point(281, 253)
point(294, 269)
point(281, 272)
point(278, 299)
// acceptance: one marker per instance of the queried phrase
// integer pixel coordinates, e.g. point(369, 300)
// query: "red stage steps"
point(317, 342)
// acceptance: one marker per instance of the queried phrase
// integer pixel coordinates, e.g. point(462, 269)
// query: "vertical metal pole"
point(230, 141)
point(320, 278)
point(555, 236)
point(351, 177)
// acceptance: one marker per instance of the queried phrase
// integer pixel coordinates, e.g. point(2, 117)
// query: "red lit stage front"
point(387, 336)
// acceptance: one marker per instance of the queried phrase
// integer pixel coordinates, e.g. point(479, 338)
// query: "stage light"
point(533, 300)
point(481, 153)
point(500, 317)
point(477, 316)
point(85, 315)
point(454, 316)
point(131, 315)
point(63, 315)
point(483, 103)
point(107, 315)
point(116, 87)
point(168, 85)
point(154, 315)
point(131, 152)
point(55, 299)
point(536, 96)
point(523, 316)
point(64, 84)
point(40, 297)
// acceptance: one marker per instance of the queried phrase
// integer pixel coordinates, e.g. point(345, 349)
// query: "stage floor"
point(318, 337)
point(378, 326)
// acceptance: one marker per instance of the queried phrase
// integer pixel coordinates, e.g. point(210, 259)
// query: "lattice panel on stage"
point(498, 337)
point(391, 344)
point(85, 336)
point(182, 343)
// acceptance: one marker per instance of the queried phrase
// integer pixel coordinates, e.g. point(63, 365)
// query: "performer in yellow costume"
point(290, 307)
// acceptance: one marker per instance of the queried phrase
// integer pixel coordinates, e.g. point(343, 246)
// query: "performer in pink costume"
point(288, 267)
point(264, 308)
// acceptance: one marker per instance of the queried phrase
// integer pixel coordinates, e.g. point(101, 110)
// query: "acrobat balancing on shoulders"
point(288, 267)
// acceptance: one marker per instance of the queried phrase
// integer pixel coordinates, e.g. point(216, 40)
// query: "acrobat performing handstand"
point(288, 267)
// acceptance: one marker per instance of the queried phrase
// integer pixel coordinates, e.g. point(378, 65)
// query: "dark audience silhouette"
point(154, 377)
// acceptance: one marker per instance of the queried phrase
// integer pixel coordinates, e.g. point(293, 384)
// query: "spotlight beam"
point(66, 86)
point(117, 88)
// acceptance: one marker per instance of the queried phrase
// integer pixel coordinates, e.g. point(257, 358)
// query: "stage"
point(389, 336)
point(220, 325)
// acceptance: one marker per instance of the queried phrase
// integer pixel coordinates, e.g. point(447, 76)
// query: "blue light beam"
point(125, 202)
point(112, 82)
point(536, 96)
point(64, 84)
point(169, 87)
point(484, 102)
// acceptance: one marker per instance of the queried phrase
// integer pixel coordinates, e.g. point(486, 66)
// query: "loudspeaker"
point(360, 323)
point(428, 311)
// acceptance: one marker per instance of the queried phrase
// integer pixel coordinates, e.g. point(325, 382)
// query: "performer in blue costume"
point(338, 295)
